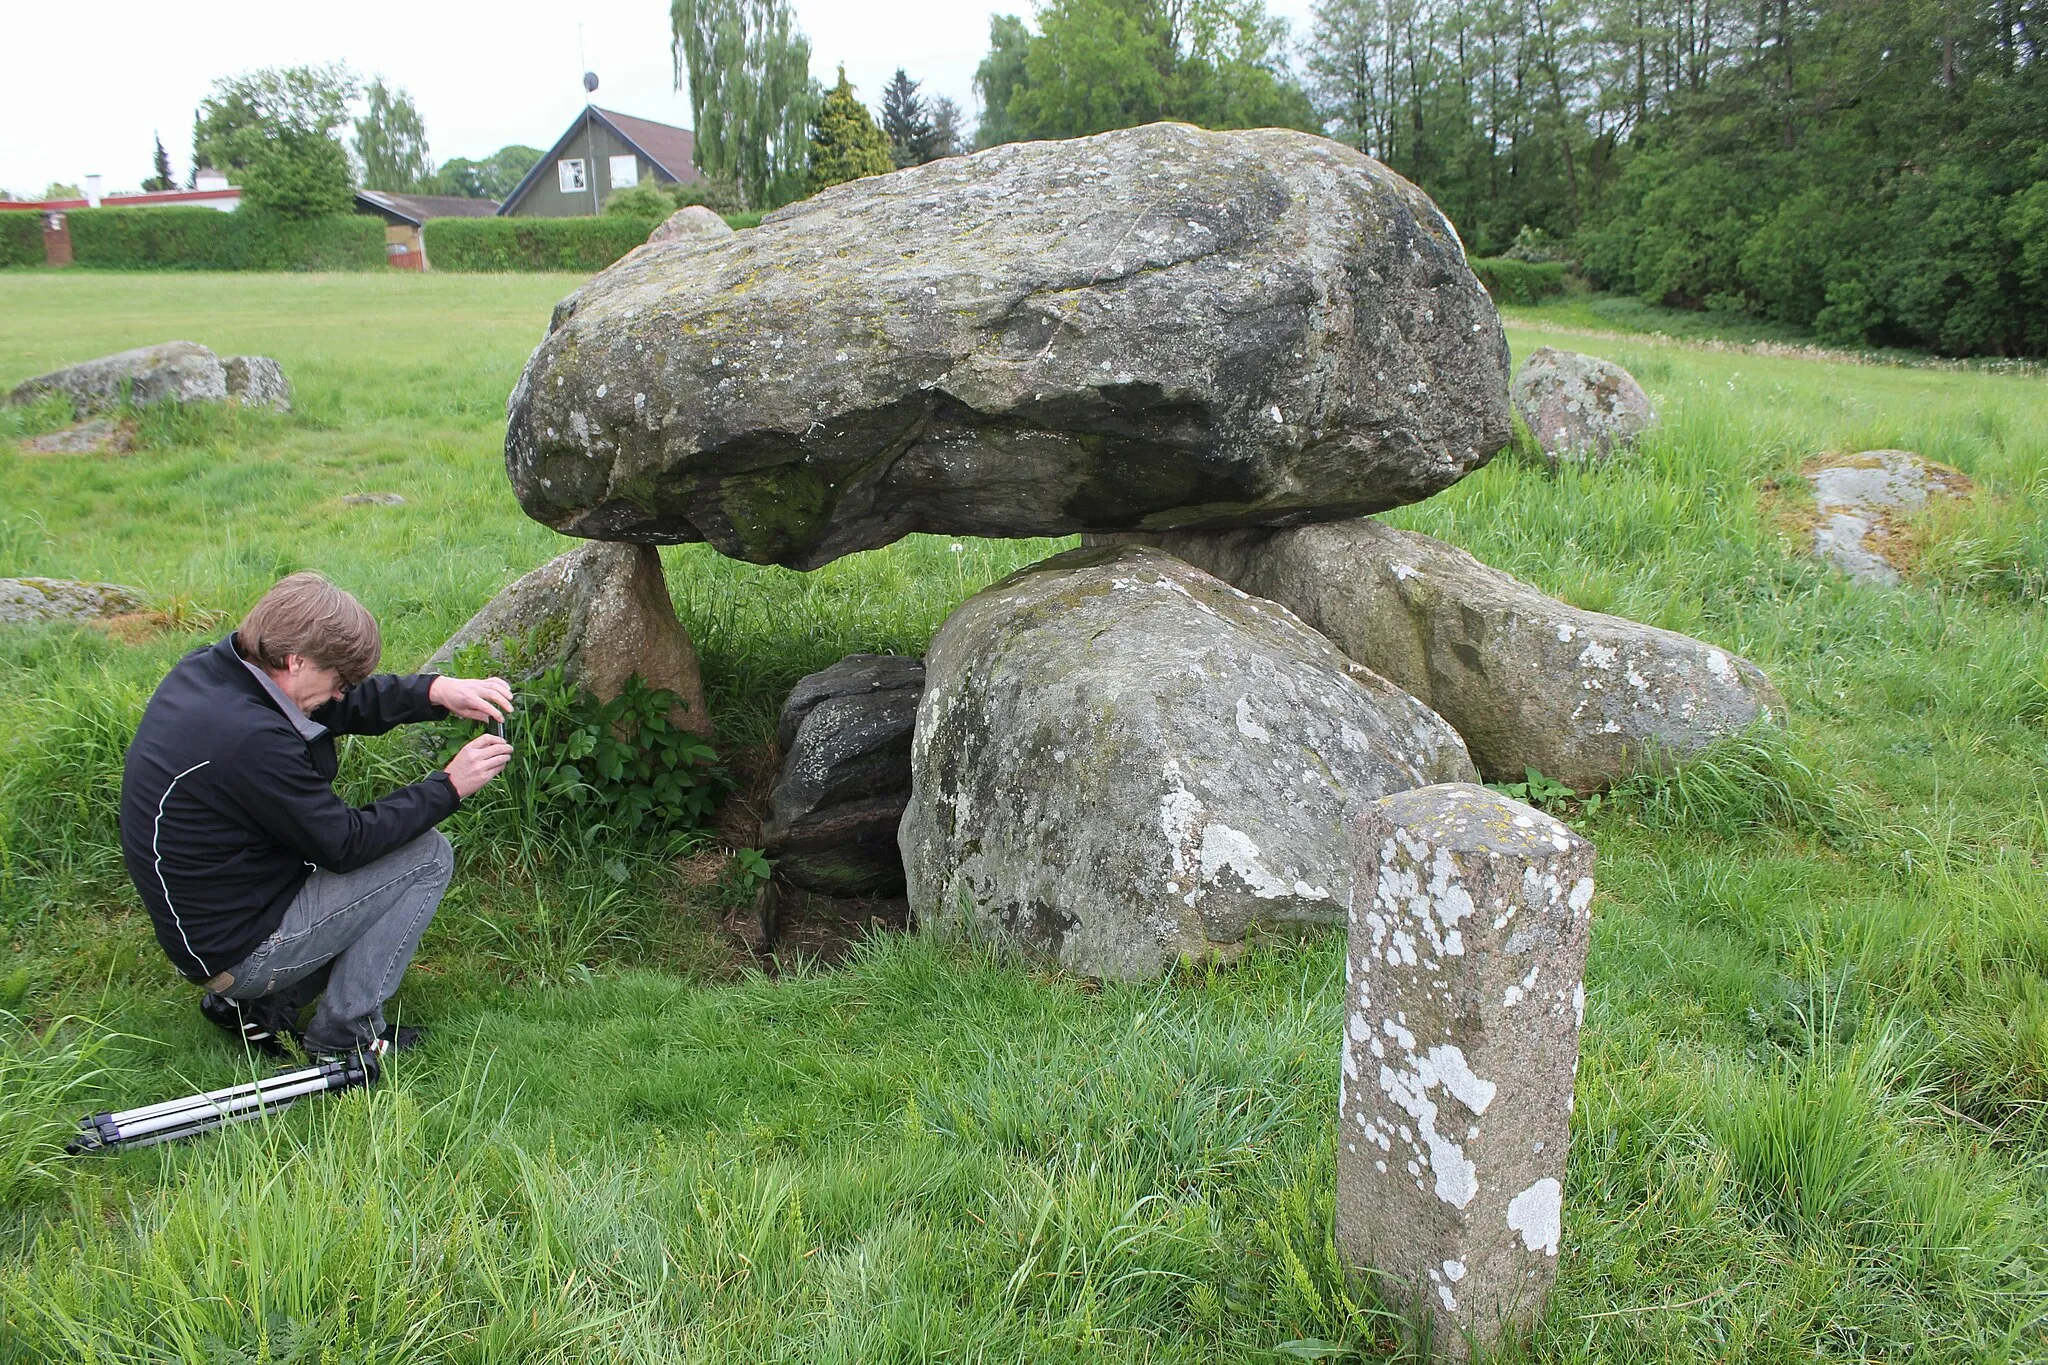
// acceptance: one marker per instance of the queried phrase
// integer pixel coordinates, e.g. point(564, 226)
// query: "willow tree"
point(747, 68)
point(391, 141)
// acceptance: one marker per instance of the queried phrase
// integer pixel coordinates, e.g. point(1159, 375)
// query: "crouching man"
point(264, 886)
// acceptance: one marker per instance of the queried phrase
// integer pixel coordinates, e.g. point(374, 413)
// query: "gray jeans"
point(362, 926)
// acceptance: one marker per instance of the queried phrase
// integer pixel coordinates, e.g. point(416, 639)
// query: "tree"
point(999, 77)
point(845, 143)
point(391, 141)
point(298, 174)
point(949, 137)
point(748, 71)
point(162, 180)
point(57, 189)
point(494, 177)
point(906, 122)
point(233, 123)
point(1101, 64)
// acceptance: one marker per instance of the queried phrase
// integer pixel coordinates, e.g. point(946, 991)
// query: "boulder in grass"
point(601, 611)
point(174, 372)
point(1121, 762)
point(1859, 501)
point(1529, 681)
point(257, 381)
point(1580, 407)
point(845, 778)
point(692, 222)
point(99, 436)
point(1155, 327)
point(43, 601)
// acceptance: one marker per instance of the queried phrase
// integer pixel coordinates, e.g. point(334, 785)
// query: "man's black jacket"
point(226, 807)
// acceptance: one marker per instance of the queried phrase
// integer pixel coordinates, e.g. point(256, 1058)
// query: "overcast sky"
point(84, 85)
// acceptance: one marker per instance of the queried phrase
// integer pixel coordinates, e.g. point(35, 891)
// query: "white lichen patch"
point(1443, 1067)
point(1538, 1214)
point(1248, 727)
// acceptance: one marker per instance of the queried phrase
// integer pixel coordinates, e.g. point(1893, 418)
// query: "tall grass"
point(1810, 1116)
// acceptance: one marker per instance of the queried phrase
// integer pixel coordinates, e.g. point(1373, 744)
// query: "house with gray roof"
point(602, 151)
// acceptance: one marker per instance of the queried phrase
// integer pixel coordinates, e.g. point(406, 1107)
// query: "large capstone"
point(1530, 682)
point(602, 614)
point(1121, 762)
point(1463, 999)
point(174, 372)
point(845, 777)
point(1156, 327)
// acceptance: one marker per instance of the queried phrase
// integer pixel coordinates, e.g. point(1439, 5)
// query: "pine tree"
point(949, 138)
point(845, 143)
point(905, 121)
point(161, 181)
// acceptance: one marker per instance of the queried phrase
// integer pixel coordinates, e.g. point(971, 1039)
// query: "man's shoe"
point(262, 1024)
point(392, 1039)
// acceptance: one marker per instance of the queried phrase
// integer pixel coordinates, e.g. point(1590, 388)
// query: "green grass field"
point(1812, 1119)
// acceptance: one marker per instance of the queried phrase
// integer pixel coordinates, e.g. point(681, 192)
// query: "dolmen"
point(1244, 707)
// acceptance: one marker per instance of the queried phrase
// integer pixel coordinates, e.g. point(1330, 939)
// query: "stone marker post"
point(1465, 988)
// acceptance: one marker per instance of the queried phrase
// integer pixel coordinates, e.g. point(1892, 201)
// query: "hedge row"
point(206, 239)
point(581, 244)
point(1512, 281)
point(21, 238)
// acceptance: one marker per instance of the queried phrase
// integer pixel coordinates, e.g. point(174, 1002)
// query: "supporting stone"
point(1465, 990)
point(603, 613)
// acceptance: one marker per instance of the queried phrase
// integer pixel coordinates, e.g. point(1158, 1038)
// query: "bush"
point(644, 200)
point(588, 770)
point(1512, 281)
point(21, 238)
point(584, 244)
point(299, 175)
point(204, 239)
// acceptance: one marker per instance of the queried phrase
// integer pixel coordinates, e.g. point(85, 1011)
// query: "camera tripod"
point(174, 1119)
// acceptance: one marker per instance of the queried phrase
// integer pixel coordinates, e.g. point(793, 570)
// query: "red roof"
point(124, 201)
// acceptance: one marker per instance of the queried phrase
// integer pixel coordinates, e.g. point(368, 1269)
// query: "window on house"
point(625, 171)
point(569, 174)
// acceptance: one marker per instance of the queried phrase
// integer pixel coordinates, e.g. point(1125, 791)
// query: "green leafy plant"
point(623, 765)
point(1545, 793)
point(743, 875)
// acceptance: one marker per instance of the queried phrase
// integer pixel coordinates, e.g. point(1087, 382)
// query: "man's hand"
point(485, 699)
point(478, 761)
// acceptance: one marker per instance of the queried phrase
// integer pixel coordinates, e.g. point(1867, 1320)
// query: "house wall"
point(595, 145)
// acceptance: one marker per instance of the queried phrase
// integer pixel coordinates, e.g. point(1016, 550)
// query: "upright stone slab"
point(1465, 989)
point(603, 613)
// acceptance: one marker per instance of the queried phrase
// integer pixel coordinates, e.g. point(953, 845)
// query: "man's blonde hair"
point(307, 615)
